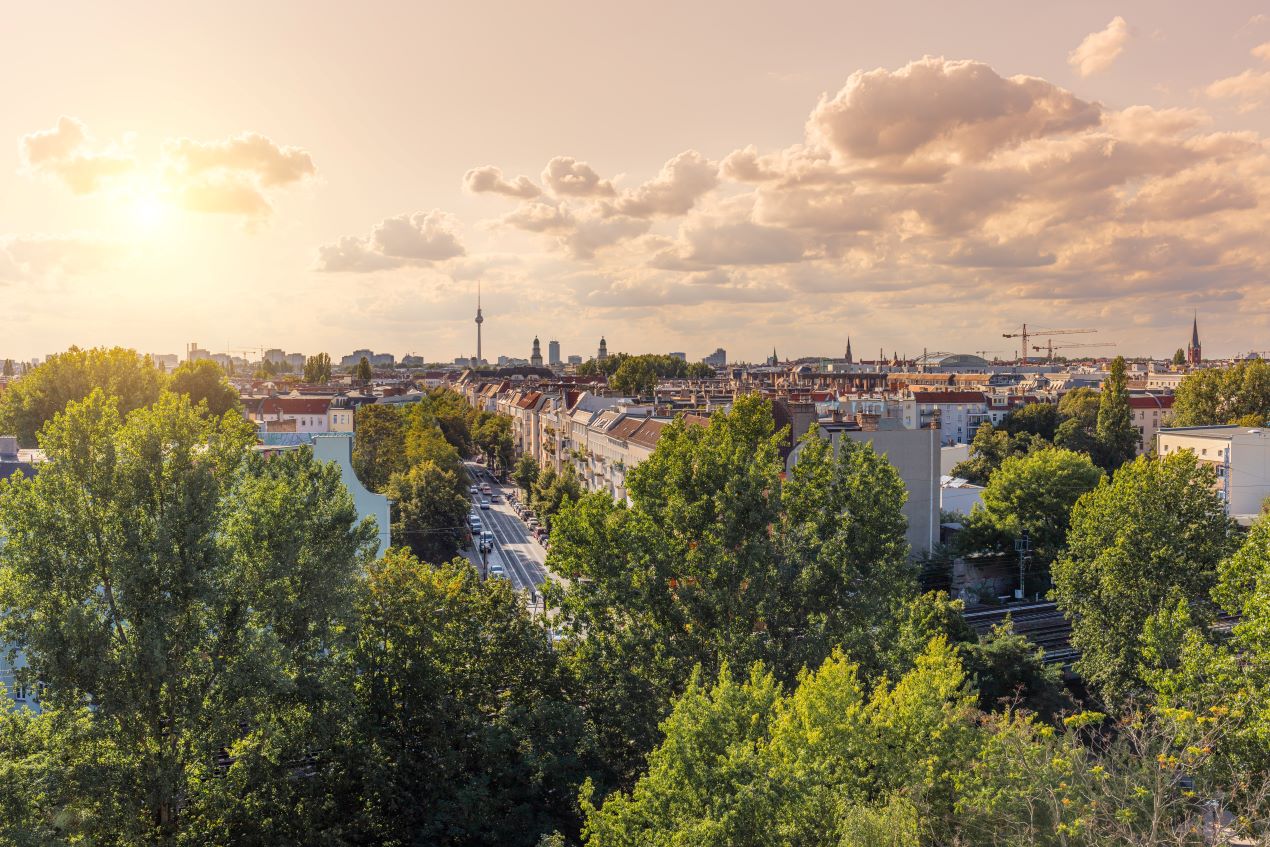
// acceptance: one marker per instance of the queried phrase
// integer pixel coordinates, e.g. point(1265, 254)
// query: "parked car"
point(496, 571)
point(487, 537)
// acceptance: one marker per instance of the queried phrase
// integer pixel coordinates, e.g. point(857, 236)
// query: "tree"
point(526, 474)
point(1035, 419)
point(364, 373)
point(1081, 405)
point(176, 598)
point(317, 369)
point(714, 563)
point(493, 435)
point(429, 510)
point(990, 448)
point(552, 491)
point(1224, 395)
point(462, 730)
point(1036, 493)
point(1152, 535)
point(31, 402)
point(636, 377)
point(1117, 436)
point(8, 368)
point(204, 382)
point(1179, 356)
point(379, 444)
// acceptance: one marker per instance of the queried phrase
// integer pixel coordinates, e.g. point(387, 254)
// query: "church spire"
point(849, 359)
point(1193, 353)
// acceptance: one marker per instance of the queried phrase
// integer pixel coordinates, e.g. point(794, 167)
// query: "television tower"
point(479, 320)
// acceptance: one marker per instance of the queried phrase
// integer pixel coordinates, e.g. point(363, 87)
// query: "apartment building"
point(1240, 456)
point(1149, 412)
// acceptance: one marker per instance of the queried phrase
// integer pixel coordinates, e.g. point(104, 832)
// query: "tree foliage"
point(364, 373)
point(204, 382)
point(1209, 396)
point(317, 369)
point(1118, 439)
point(463, 732)
point(429, 508)
point(188, 595)
point(715, 562)
point(31, 402)
point(1152, 535)
point(1034, 492)
point(990, 448)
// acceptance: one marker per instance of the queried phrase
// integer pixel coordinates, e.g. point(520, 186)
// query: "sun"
point(149, 211)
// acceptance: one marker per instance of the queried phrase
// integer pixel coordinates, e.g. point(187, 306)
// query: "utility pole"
point(1022, 544)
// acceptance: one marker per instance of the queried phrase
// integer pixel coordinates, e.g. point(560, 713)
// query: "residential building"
point(574, 360)
point(717, 359)
point(1149, 412)
point(553, 352)
point(915, 455)
point(275, 356)
point(295, 362)
point(165, 361)
point(310, 414)
point(194, 353)
point(1240, 456)
point(683, 357)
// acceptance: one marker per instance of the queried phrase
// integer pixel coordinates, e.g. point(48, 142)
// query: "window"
point(1204, 452)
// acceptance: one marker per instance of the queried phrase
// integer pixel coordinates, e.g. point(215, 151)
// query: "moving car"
point(473, 489)
point(496, 571)
point(484, 502)
point(487, 537)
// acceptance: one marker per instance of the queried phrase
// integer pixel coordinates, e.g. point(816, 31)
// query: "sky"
point(673, 176)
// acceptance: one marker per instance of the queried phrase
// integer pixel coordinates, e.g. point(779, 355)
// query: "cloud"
point(565, 176)
point(673, 191)
point(952, 111)
point(938, 192)
point(248, 153)
point(489, 180)
point(35, 257)
point(1250, 88)
point(232, 176)
point(1262, 52)
point(421, 239)
point(1099, 50)
point(64, 152)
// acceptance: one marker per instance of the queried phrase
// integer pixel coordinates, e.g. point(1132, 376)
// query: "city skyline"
point(927, 181)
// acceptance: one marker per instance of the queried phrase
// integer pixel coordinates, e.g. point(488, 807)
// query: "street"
point(522, 557)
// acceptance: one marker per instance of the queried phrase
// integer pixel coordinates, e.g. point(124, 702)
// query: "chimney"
point(868, 421)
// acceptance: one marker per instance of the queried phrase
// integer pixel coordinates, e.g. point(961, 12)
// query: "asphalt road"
point(522, 557)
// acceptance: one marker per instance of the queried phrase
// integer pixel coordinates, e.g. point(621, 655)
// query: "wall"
point(338, 448)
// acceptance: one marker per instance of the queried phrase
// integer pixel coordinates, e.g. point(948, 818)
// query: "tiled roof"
point(1151, 401)
point(297, 405)
point(648, 433)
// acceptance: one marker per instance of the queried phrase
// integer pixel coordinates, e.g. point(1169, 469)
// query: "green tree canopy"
point(429, 510)
point(990, 448)
point(1118, 439)
point(1034, 492)
point(1179, 356)
point(32, 401)
point(463, 731)
point(204, 382)
point(716, 562)
point(191, 596)
point(1155, 533)
point(317, 369)
point(364, 374)
point(1224, 395)
point(526, 473)
point(1034, 419)
point(379, 444)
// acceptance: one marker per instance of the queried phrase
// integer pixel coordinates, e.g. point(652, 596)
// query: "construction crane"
point(986, 352)
point(1051, 347)
point(1026, 334)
